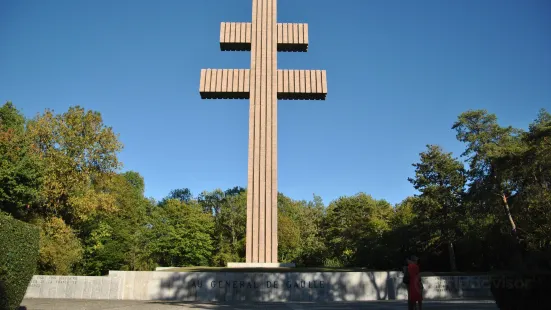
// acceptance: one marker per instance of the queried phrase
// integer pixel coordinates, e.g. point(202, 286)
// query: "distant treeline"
point(60, 172)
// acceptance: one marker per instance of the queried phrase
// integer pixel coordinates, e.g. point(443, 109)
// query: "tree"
point(20, 169)
point(313, 249)
point(288, 228)
point(11, 118)
point(60, 249)
point(181, 235)
point(80, 156)
point(528, 171)
point(134, 179)
point(60, 172)
point(507, 170)
point(211, 201)
point(441, 181)
point(288, 234)
point(485, 141)
point(117, 241)
point(299, 231)
point(229, 209)
point(403, 237)
point(182, 194)
point(354, 225)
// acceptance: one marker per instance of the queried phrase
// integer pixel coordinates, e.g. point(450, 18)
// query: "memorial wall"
point(254, 286)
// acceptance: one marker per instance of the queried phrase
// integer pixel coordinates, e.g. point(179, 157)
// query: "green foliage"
point(136, 181)
point(441, 180)
point(486, 141)
point(20, 168)
point(332, 263)
point(117, 241)
point(60, 172)
point(80, 156)
point(182, 194)
point(300, 231)
point(401, 240)
point(288, 238)
point(60, 249)
point(312, 246)
point(528, 171)
point(354, 226)
point(181, 235)
point(509, 176)
point(229, 210)
point(11, 118)
point(18, 259)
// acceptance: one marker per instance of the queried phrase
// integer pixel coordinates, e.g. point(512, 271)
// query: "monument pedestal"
point(261, 265)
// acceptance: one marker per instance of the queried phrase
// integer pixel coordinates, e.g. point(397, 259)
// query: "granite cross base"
point(261, 265)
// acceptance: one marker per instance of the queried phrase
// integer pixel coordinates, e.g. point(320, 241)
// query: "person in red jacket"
point(415, 287)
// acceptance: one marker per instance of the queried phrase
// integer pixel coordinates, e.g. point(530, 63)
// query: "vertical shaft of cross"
point(261, 242)
point(263, 85)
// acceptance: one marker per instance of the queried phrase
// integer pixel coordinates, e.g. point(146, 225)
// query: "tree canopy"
point(489, 208)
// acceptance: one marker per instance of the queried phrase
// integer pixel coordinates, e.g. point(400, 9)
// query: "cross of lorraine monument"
point(263, 84)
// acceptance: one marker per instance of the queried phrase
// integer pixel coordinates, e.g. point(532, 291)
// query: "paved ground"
point(51, 304)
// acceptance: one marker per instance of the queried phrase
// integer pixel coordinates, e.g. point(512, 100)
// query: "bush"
point(60, 248)
point(18, 259)
point(332, 263)
point(522, 290)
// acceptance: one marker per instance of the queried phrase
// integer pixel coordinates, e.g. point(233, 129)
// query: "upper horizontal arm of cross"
point(291, 37)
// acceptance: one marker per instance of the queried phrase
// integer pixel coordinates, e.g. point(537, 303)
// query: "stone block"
point(87, 291)
point(60, 284)
point(96, 287)
point(49, 287)
point(78, 289)
point(164, 268)
point(33, 290)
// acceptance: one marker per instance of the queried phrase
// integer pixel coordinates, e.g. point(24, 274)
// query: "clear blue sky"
point(399, 74)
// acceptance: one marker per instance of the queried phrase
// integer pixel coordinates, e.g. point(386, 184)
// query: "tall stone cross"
point(263, 84)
